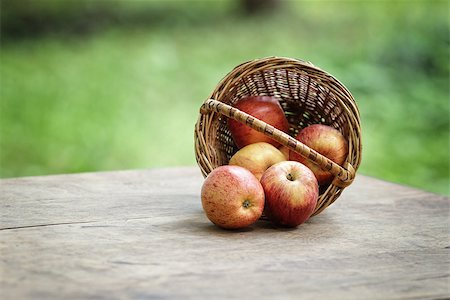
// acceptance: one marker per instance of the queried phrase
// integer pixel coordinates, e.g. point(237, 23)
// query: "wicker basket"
point(308, 96)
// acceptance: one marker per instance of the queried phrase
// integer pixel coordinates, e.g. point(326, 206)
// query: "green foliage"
point(128, 96)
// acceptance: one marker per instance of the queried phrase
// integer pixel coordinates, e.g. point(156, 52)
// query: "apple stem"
point(246, 204)
point(290, 177)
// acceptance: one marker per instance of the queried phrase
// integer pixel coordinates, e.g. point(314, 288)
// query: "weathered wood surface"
point(143, 235)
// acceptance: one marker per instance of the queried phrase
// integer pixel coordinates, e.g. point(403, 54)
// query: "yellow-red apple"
point(326, 140)
point(285, 150)
point(232, 197)
point(257, 158)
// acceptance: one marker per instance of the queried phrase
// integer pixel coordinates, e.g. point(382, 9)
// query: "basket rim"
point(280, 62)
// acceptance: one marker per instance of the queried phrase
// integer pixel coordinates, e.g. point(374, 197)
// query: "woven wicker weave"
point(308, 96)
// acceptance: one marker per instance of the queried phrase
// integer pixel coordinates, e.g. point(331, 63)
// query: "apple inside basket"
point(307, 95)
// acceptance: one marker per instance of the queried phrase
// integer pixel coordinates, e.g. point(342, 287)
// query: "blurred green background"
point(108, 85)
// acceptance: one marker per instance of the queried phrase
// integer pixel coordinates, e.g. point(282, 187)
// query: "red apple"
point(291, 191)
point(327, 141)
point(257, 158)
point(232, 197)
point(265, 108)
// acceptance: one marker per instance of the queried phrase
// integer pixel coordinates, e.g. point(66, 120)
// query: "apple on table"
point(232, 197)
point(291, 191)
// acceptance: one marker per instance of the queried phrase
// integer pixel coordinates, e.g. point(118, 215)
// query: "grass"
point(128, 96)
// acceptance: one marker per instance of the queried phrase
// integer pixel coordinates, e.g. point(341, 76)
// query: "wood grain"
point(143, 235)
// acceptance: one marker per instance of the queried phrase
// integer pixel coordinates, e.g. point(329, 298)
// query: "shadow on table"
point(199, 223)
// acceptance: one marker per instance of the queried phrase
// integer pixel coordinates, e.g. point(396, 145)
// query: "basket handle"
point(343, 176)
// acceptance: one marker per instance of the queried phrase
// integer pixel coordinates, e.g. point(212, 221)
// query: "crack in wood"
point(44, 225)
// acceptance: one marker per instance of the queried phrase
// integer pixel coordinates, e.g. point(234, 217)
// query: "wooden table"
point(143, 235)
